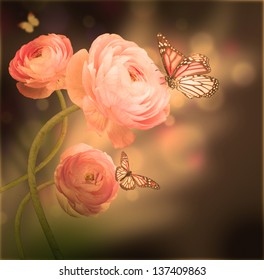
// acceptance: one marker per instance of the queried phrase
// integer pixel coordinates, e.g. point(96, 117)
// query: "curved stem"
point(52, 153)
point(61, 137)
point(19, 212)
point(32, 179)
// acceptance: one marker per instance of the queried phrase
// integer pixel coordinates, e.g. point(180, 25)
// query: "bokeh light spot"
point(143, 10)
point(243, 74)
point(202, 42)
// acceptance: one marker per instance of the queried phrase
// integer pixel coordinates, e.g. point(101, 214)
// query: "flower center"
point(134, 73)
point(89, 178)
point(37, 53)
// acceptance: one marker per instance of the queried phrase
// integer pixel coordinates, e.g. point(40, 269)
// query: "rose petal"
point(74, 82)
point(94, 118)
point(35, 93)
point(63, 201)
point(120, 136)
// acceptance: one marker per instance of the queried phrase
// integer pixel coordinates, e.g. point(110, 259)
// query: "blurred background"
point(207, 156)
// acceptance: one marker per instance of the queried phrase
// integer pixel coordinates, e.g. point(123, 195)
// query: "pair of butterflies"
point(128, 180)
point(29, 25)
point(186, 73)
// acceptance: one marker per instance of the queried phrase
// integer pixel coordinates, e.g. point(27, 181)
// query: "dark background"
point(209, 210)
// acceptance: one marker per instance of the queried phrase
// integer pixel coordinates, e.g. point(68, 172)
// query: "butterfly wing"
point(127, 180)
point(120, 173)
point(127, 183)
point(33, 20)
point(29, 25)
point(124, 161)
point(171, 57)
point(145, 182)
point(26, 26)
point(123, 170)
point(197, 85)
point(193, 65)
point(178, 65)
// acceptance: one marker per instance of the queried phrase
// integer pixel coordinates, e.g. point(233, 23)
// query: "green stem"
point(52, 153)
point(19, 212)
point(32, 179)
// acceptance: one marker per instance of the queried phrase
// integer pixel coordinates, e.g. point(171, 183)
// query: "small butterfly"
point(184, 73)
point(29, 25)
point(129, 180)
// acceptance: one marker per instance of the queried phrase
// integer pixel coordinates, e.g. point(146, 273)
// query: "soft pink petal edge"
point(95, 120)
point(63, 201)
point(120, 136)
point(73, 150)
point(35, 93)
point(83, 211)
point(73, 79)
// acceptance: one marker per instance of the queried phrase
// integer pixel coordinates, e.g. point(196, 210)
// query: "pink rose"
point(40, 66)
point(118, 88)
point(85, 181)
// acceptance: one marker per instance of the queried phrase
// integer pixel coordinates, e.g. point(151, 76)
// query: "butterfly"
point(185, 73)
point(29, 25)
point(128, 180)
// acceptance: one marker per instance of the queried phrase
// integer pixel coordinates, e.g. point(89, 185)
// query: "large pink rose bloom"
point(85, 181)
point(118, 88)
point(40, 66)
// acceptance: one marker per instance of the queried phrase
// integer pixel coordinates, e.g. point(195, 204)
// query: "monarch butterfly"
point(184, 73)
point(29, 25)
point(128, 180)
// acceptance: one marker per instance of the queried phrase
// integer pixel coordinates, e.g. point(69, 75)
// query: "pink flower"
point(85, 181)
point(40, 65)
point(118, 88)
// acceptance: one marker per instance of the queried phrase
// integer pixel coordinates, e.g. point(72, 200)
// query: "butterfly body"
point(129, 173)
point(128, 180)
point(171, 82)
point(186, 73)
